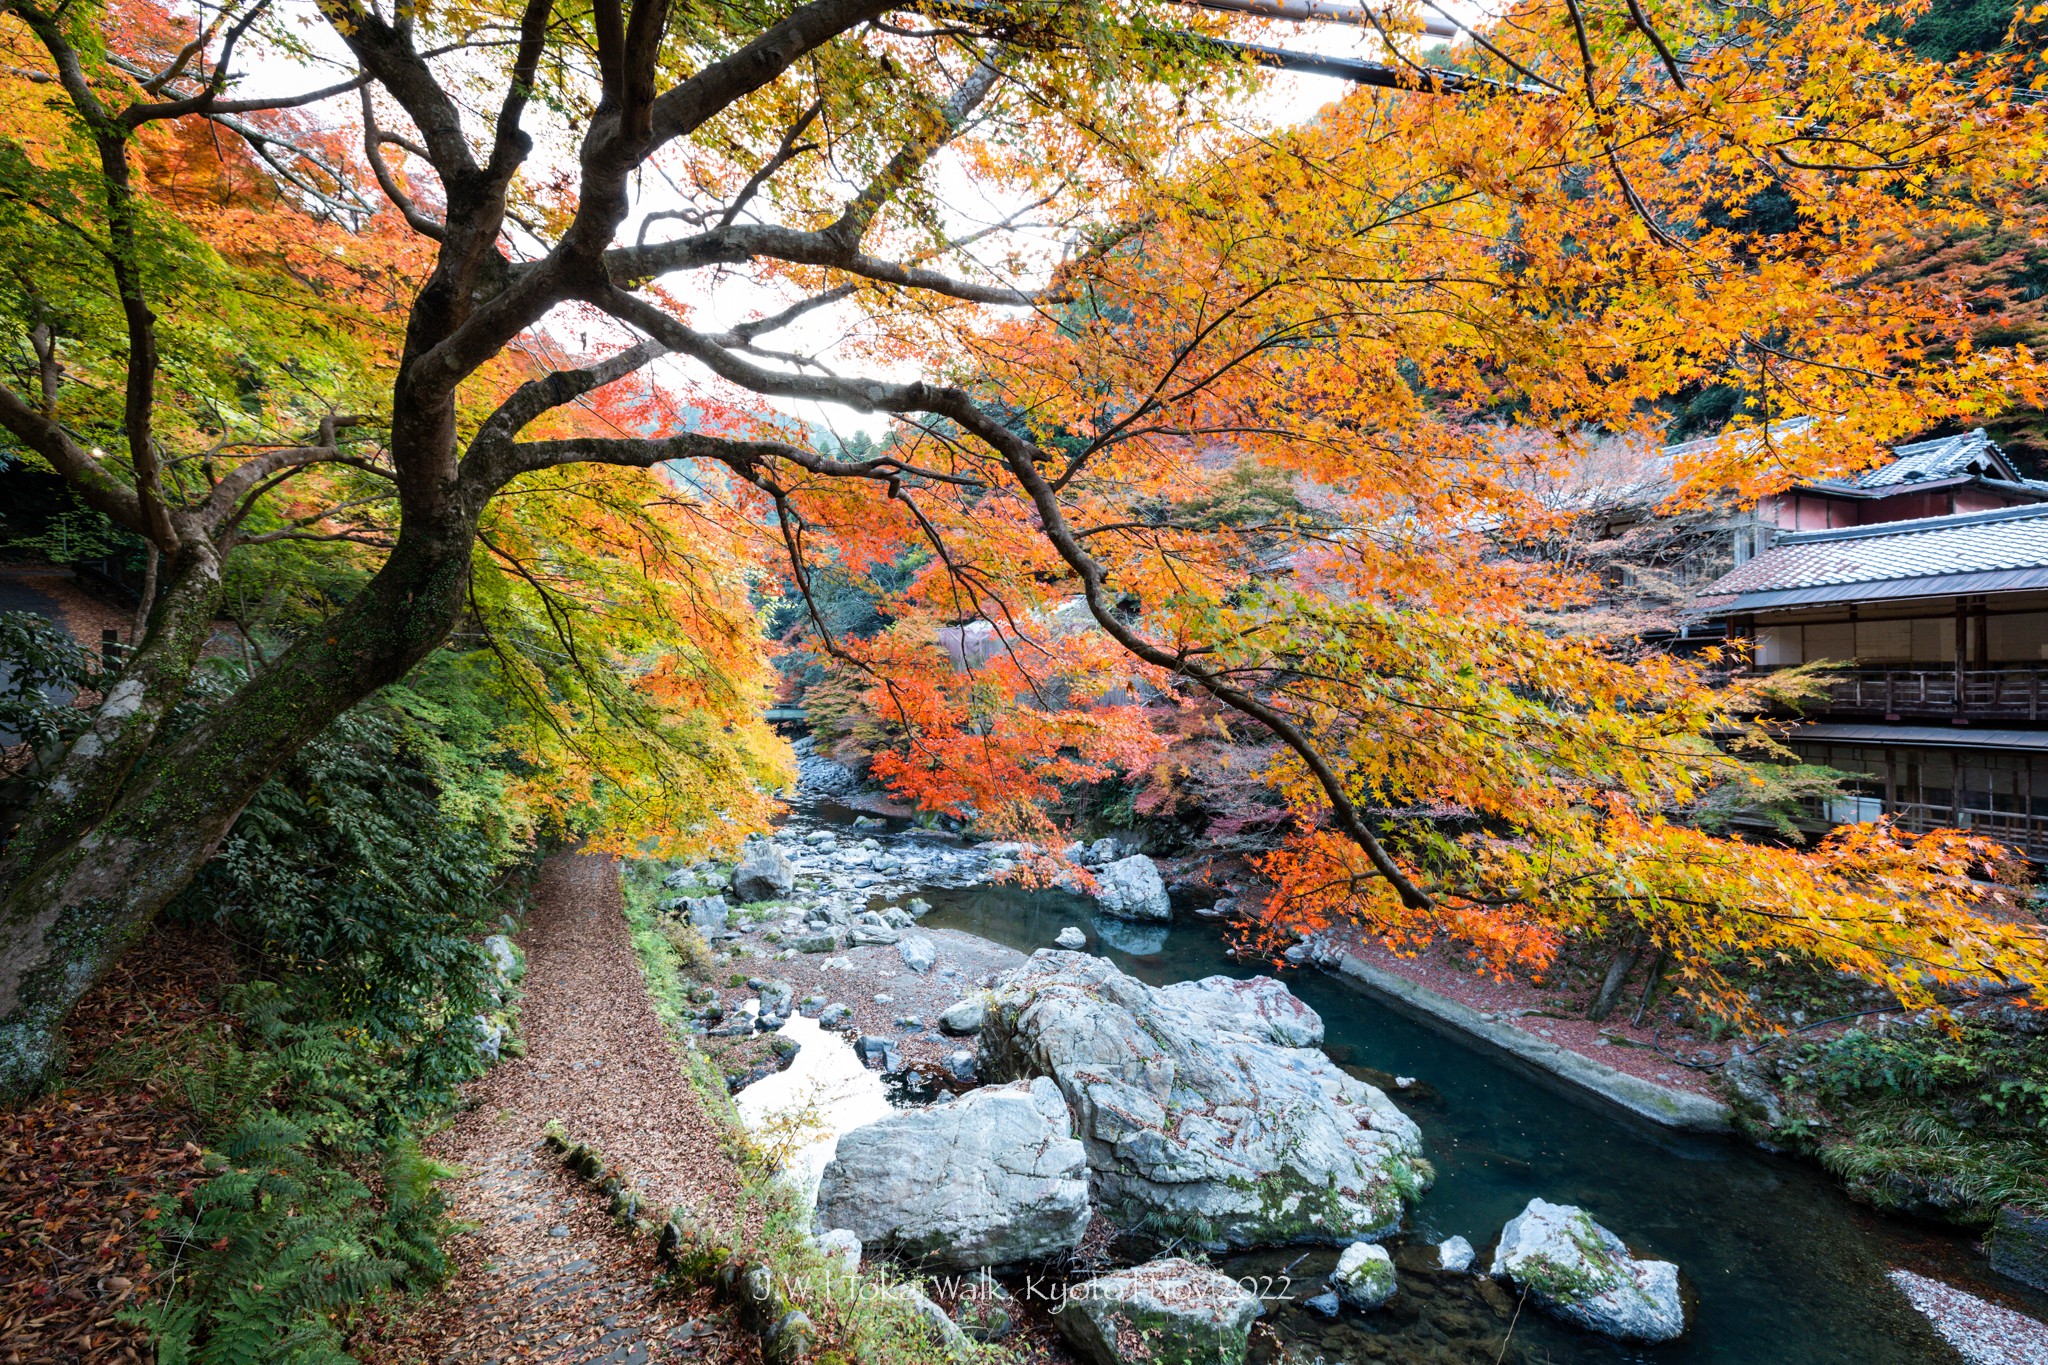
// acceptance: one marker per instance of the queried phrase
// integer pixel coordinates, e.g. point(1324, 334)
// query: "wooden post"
point(1962, 643)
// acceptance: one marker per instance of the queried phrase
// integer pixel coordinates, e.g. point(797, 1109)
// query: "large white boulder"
point(1259, 1005)
point(1170, 1312)
point(993, 1179)
point(1204, 1115)
point(1131, 888)
point(1579, 1271)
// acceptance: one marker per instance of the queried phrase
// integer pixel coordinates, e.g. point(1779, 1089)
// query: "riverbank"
point(1552, 1048)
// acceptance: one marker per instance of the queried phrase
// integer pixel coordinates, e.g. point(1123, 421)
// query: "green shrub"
point(346, 879)
point(1941, 1118)
point(693, 954)
point(309, 1210)
point(358, 895)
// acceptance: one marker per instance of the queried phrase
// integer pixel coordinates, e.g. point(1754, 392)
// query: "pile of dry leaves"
point(81, 1167)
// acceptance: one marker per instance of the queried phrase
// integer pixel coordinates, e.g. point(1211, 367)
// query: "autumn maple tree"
point(448, 303)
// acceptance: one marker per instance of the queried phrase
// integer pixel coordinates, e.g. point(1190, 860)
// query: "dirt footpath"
point(544, 1275)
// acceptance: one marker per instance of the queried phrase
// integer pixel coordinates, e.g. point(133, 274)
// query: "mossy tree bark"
point(135, 811)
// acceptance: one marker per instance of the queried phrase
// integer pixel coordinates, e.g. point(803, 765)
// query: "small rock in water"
point(878, 1054)
point(1579, 1271)
point(1072, 939)
point(1364, 1277)
point(1131, 888)
point(919, 908)
point(1454, 1254)
point(1325, 1304)
point(775, 997)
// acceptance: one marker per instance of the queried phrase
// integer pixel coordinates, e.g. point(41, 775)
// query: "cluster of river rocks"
point(1200, 1116)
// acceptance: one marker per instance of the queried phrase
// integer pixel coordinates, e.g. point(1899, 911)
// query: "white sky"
point(1286, 98)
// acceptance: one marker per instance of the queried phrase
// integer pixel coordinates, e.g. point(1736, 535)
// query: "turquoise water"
point(1787, 1270)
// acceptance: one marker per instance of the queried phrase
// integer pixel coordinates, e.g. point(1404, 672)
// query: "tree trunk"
point(87, 885)
point(142, 608)
point(88, 778)
point(1617, 973)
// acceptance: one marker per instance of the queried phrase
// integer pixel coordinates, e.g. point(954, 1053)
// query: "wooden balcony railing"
point(2028, 834)
point(1986, 693)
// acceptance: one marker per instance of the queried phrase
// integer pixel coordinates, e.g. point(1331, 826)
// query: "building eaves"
point(1923, 736)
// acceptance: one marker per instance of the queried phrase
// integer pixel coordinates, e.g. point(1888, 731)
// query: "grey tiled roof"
point(1947, 457)
point(1974, 552)
point(1922, 736)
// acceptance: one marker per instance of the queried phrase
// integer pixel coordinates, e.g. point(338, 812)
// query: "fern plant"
point(360, 899)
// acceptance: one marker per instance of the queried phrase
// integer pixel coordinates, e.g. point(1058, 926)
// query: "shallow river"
point(1787, 1270)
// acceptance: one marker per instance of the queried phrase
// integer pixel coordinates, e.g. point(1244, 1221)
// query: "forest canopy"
point(473, 330)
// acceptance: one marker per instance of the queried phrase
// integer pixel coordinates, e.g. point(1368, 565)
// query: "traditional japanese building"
point(1938, 478)
point(1939, 621)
